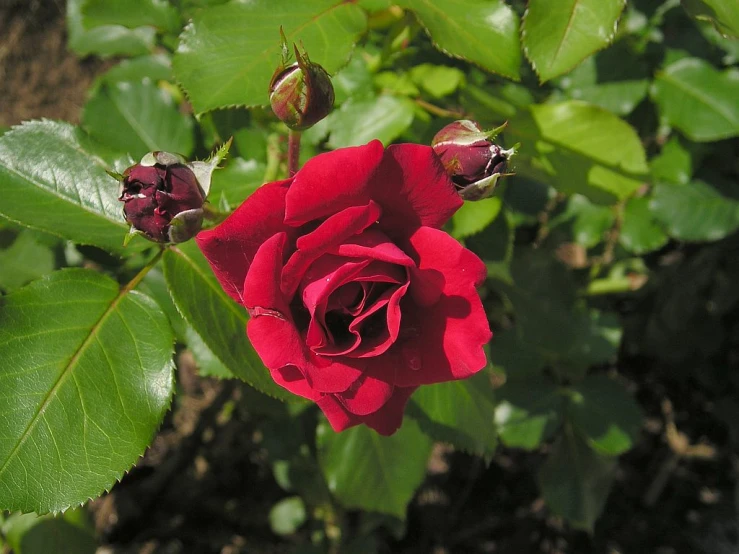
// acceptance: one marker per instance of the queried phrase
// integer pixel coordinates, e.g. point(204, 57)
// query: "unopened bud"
point(162, 198)
point(473, 162)
point(301, 94)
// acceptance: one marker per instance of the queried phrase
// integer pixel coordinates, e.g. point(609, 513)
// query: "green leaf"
point(287, 515)
point(156, 67)
point(695, 212)
point(236, 181)
point(590, 222)
point(458, 412)
point(358, 122)
point(529, 410)
point(495, 245)
point(353, 81)
point(107, 40)
point(551, 322)
point(473, 217)
point(723, 14)
point(641, 232)
point(673, 164)
point(615, 79)
point(208, 364)
point(575, 481)
point(25, 260)
point(32, 534)
point(580, 148)
point(482, 32)
point(52, 183)
point(437, 80)
point(227, 55)
point(87, 375)
point(215, 317)
point(130, 13)
point(606, 414)
point(368, 471)
point(559, 34)
point(401, 84)
point(699, 100)
point(138, 118)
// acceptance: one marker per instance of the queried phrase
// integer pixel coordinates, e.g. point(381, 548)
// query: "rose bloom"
point(356, 296)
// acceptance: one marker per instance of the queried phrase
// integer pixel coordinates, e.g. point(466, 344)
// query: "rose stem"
point(133, 283)
point(293, 152)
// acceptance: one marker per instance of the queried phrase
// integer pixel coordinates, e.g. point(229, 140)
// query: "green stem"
point(133, 283)
point(293, 152)
point(274, 157)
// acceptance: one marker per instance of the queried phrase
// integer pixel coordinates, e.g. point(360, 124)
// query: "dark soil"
point(204, 485)
point(39, 77)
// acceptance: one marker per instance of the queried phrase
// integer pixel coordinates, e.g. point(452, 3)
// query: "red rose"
point(356, 296)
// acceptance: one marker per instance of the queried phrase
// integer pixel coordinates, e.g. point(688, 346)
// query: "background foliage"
point(611, 254)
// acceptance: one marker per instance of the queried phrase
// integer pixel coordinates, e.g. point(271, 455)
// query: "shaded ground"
point(204, 485)
point(38, 76)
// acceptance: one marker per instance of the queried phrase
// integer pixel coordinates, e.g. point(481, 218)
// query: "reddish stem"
point(293, 152)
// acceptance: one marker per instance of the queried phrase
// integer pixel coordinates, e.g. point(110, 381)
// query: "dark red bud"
point(301, 94)
point(471, 158)
point(153, 195)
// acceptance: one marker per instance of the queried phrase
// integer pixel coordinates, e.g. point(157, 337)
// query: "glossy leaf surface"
point(228, 53)
point(86, 377)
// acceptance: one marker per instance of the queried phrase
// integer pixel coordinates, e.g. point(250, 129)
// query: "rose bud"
point(162, 198)
point(301, 94)
point(471, 159)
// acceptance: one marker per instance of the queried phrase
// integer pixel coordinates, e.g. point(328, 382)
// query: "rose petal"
point(374, 244)
point(375, 346)
point(447, 337)
point(413, 190)
point(331, 182)
point(231, 246)
point(291, 378)
point(183, 191)
point(325, 277)
point(337, 415)
point(385, 421)
point(371, 391)
point(336, 229)
point(272, 331)
point(334, 376)
point(147, 175)
point(389, 418)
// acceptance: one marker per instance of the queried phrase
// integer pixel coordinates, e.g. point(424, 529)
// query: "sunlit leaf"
point(228, 53)
point(483, 32)
point(698, 99)
point(359, 460)
point(558, 34)
point(86, 377)
point(138, 118)
point(52, 183)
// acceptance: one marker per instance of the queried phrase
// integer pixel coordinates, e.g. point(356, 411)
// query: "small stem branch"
point(293, 152)
point(436, 110)
point(133, 283)
point(274, 157)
